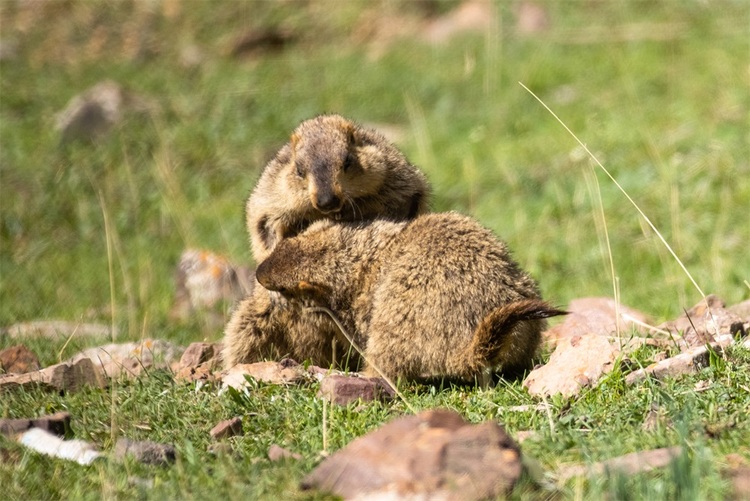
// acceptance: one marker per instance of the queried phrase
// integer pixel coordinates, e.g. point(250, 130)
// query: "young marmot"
point(330, 169)
point(436, 296)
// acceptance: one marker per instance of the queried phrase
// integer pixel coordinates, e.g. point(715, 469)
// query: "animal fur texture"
point(436, 296)
point(334, 169)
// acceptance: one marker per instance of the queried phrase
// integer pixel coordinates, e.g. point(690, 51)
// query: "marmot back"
point(436, 296)
point(332, 168)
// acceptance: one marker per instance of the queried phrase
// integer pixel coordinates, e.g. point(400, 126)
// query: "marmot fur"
point(330, 169)
point(436, 296)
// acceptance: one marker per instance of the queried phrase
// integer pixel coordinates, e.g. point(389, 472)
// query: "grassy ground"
point(658, 91)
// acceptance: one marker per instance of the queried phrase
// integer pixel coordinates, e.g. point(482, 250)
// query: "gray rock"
point(227, 428)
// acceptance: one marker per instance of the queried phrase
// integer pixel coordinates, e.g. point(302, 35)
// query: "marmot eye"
point(300, 170)
point(349, 161)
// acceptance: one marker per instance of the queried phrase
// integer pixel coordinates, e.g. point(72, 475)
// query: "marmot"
point(331, 168)
point(436, 296)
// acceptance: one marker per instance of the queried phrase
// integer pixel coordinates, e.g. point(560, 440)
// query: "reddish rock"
point(59, 377)
point(705, 321)
point(688, 362)
point(192, 374)
point(594, 315)
point(282, 372)
point(577, 362)
point(433, 455)
point(18, 359)
point(200, 353)
point(278, 453)
point(227, 428)
point(56, 424)
point(342, 390)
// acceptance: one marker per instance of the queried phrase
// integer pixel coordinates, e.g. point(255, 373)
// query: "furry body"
point(330, 169)
point(436, 296)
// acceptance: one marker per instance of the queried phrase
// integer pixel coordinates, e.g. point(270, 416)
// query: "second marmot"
point(436, 296)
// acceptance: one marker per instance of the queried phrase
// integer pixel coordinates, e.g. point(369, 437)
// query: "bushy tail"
point(502, 340)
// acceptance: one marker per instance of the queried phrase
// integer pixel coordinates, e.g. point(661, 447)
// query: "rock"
point(193, 374)
point(92, 114)
point(342, 390)
point(130, 359)
point(67, 376)
point(145, 451)
point(577, 362)
point(742, 310)
point(18, 359)
point(432, 455)
point(278, 453)
point(198, 354)
point(594, 315)
point(470, 16)
point(629, 464)
point(703, 322)
point(57, 329)
point(227, 428)
point(284, 372)
point(57, 424)
point(208, 284)
point(257, 42)
point(46, 443)
point(688, 362)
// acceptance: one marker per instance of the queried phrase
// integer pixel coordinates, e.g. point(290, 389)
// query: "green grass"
point(669, 118)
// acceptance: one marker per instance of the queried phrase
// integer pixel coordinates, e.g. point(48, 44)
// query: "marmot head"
point(334, 161)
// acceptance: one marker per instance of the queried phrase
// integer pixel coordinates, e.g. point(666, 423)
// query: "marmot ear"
point(294, 140)
point(351, 134)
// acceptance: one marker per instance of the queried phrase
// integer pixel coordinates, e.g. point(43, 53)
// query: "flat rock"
point(207, 284)
point(130, 359)
point(343, 389)
point(284, 372)
point(704, 321)
point(227, 428)
point(594, 315)
point(67, 376)
point(742, 310)
point(145, 451)
point(687, 362)
point(57, 424)
point(432, 455)
point(576, 363)
point(57, 329)
point(278, 453)
point(200, 353)
point(18, 359)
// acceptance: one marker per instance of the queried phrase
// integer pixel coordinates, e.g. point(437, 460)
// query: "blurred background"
point(133, 131)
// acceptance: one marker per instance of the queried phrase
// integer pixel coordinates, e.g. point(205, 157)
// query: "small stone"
point(433, 455)
point(18, 360)
point(145, 451)
point(688, 362)
point(227, 428)
point(267, 372)
point(199, 353)
point(342, 390)
point(577, 362)
point(278, 453)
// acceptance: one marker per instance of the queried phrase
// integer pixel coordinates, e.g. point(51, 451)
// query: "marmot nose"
point(327, 202)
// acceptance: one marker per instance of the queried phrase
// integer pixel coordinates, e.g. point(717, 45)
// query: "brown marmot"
point(436, 296)
point(331, 168)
